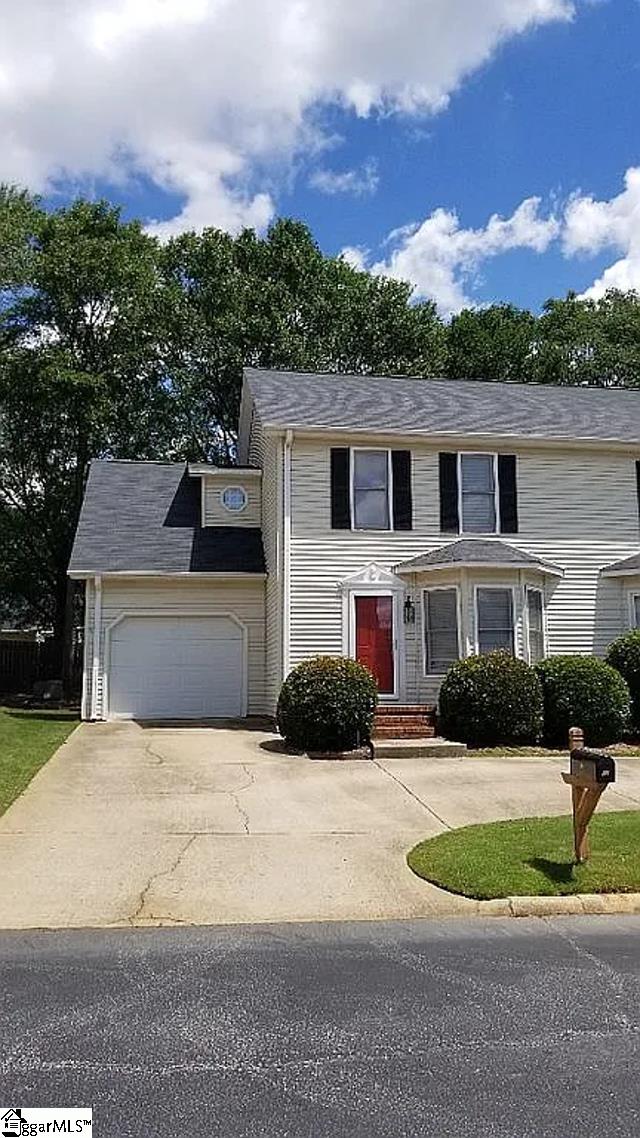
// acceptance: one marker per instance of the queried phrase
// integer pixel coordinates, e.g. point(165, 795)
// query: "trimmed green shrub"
point(581, 691)
point(491, 699)
point(624, 656)
point(327, 704)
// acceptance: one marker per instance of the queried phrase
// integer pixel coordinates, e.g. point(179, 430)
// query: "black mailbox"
point(595, 766)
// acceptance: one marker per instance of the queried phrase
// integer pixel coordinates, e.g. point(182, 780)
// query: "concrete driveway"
point(129, 825)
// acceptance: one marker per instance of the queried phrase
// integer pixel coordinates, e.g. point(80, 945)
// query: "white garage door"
point(176, 667)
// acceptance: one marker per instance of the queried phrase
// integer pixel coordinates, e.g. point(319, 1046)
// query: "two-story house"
point(403, 522)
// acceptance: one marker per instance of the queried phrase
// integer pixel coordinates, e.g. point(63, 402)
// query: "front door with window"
point(374, 639)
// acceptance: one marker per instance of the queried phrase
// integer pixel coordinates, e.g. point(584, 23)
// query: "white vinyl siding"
point(441, 632)
point(215, 513)
point(477, 480)
point(371, 489)
point(535, 624)
point(272, 476)
point(189, 598)
point(495, 619)
point(577, 508)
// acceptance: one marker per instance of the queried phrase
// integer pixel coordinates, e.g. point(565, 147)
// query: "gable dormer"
point(230, 495)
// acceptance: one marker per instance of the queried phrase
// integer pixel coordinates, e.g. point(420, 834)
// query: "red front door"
point(374, 639)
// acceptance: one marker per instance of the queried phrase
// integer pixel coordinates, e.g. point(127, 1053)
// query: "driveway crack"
point(420, 801)
point(142, 900)
point(233, 795)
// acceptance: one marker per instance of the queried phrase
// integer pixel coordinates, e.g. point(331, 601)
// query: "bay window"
point(494, 619)
point(441, 636)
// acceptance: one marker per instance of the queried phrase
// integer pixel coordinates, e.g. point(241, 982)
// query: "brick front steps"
point(408, 721)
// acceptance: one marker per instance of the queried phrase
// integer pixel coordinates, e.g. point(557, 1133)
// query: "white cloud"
point(591, 226)
point(358, 183)
point(201, 95)
point(440, 258)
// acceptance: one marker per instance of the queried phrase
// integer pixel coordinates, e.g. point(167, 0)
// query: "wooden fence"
point(24, 662)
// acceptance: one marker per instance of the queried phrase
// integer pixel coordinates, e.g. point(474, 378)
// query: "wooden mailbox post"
point(591, 772)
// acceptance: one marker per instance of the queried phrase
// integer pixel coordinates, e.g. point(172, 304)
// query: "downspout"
point(97, 621)
point(286, 555)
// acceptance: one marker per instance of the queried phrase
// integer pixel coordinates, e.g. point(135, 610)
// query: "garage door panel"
point(175, 667)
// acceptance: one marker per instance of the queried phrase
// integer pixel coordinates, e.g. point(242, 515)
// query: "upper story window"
point(370, 486)
point(371, 489)
point(478, 499)
point(494, 619)
point(478, 493)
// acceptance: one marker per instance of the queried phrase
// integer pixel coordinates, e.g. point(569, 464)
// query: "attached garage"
point(174, 608)
point(176, 667)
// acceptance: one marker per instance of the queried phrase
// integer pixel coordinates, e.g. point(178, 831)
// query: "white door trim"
point(185, 613)
point(349, 633)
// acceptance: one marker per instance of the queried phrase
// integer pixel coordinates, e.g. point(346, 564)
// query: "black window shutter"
point(508, 493)
point(638, 486)
point(340, 489)
point(449, 521)
point(402, 504)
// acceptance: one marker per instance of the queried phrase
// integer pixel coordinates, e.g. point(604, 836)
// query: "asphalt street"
point(463, 1028)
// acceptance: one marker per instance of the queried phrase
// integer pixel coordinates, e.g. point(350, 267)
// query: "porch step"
point(404, 721)
point(404, 731)
point(405, 709)
point(418, 749)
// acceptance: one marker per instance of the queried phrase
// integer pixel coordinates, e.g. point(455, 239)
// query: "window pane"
point(636, 610)
point(370, 469)
point(441, 629)
point(477, 472)
point(478, 497)
point(495, 619)
point(478, 513)
point(536, 625)
point(371, 508)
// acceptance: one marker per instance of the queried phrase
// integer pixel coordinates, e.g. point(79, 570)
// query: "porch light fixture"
point(409, 610)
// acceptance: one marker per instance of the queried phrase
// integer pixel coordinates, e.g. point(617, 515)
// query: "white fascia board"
point(620, 572)
point(202, 469)
point(499, 566)
point(467, 441)
point(187, 574)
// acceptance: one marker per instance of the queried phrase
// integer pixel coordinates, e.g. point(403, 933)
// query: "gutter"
point(286, 554)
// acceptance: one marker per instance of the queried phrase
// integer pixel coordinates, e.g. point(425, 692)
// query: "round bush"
point(581, 691)
point(327, 704)
point(624, 656)
point(491, 699)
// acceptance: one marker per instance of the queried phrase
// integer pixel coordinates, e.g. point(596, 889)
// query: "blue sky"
point(203, 112)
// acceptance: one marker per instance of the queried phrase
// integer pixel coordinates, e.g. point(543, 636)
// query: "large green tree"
point(112, 345)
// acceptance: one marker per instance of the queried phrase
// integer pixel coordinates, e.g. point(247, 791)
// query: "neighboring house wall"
point(267, 451)
point(245, 599)
point(215, 513)
point(577, 508)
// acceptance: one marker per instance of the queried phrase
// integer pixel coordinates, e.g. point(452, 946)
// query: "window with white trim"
point(494, 619)
point(441, 640)
point(371, 483)
point(477, 480)
point(535, 624)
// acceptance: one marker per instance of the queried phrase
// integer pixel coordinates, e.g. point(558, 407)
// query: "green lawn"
point(621, 750)
point(27, 740)
point(533, 857)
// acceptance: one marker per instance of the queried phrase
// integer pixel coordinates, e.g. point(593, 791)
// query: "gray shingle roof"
point(441, 406)
point(629, 565)
point(476, 551)
point(145, 517)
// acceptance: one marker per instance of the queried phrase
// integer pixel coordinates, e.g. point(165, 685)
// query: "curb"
point(576, 904)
